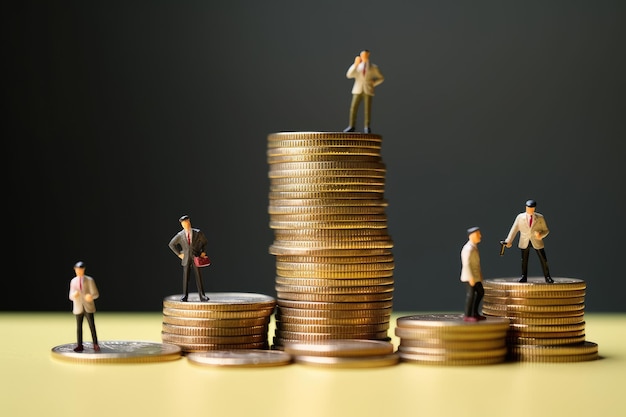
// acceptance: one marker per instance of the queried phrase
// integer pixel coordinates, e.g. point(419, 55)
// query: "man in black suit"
point(187, 244)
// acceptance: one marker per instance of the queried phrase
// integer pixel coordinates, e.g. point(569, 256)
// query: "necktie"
point(530, 222)
point(364, 67)
point(80, 283)
point(189, 238)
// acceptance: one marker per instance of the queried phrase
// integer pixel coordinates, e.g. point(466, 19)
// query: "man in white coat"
point(532, 230)
point(83, 291)
point(472, 276)
point(366, 76)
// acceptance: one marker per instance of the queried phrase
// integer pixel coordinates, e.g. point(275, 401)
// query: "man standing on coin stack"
point(83, 291)
point(533, 229)
point(366, 76)
point(472, 275)
point(187, 244)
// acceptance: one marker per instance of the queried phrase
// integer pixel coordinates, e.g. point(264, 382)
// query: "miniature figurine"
point(532, 230)
point(188, 244)
point(472, 275)
point(366, 76)
point(83, 291)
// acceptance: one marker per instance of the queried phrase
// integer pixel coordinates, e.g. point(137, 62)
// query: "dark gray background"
point(123, 115)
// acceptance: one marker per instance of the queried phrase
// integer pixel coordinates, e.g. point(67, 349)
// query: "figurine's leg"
point(544, 265)
point(525, 253)
point(368, 113)
point(354, 108)
point(79, 333)
point(203, 296)
point(479, 292)
point(469, 302)
point(185, 283)
point(92, 327)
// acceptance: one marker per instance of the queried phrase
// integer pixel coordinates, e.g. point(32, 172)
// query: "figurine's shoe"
point(549, 280)
point(481, 317)
point(349, 129)
point(96, 347)
point(470, 319)
point(78, 348)
point(367, 129)
point(204, 298)
point(184, 298)
point(523, 279)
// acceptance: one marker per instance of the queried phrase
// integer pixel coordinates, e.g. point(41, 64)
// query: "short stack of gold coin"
point(343, 353)
point(446, 339)
point(546, 319)
point(226, 321)
point(334, 266)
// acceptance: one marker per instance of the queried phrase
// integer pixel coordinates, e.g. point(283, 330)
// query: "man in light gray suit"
point(366, 76)
point(187, 244)
point(532, 230)
point(83, 291)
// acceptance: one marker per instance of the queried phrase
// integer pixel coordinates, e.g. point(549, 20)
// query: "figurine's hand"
point(538, 235)
point(203, 254)
point(509, 244)
point(88, 298)
point(181, 255)
point(75, 295)
point(357, 60)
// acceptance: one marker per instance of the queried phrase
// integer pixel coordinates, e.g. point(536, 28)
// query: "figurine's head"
point(365, 55)
point(79, 268)
point(530, 206)
point(185, 221)
point(474, 235)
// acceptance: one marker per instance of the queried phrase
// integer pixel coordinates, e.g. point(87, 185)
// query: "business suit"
point(528, 225)
point(82, 307)
point(180, 245)
point(366, 77)
point(472, 275)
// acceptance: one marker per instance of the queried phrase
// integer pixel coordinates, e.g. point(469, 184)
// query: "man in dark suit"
point(187, 244)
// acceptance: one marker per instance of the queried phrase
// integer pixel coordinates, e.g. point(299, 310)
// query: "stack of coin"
point(446, 339)
point(334, 266)
point(546, 319)
point(226, 321)
point(343, 353)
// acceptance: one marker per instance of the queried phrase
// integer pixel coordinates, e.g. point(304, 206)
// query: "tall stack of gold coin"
point(226, 321)
point(446, 339)
point(547, 321)
point(334, 265)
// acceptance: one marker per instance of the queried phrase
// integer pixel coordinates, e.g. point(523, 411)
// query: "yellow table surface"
point(33, 382)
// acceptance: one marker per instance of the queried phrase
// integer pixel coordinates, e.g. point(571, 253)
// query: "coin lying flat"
point(349, 362)
point(119, 351)
point(339, 348)
point(240, 358)
point(451, 322)
point(221, 301)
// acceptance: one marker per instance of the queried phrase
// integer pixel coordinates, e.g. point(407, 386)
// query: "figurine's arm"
point(93, 290)
point(512, 233)
point(203, 243)
point(377, 77)
point(74, 292)
point(352, 72)
point(175, 246)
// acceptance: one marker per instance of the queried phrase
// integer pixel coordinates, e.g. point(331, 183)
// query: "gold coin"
point(513, 334)
point(325, 217)
point(547, 328)
point(240, 358)
point(216, 315)
point(204, 347)
point(534, 301)
point(325, 150)
point(333, 275)
point(301, 266)
point(333, 245)
point(332, 328)
point(339, 348)
point(213, 331)
point(334, 313)
point(556, 359)
point(454, 354)
point(327, 188)
point(118, 351)
point(335, 298)
point(289, 336)
point(535, 284)
point(348, 362)
point(307, 234)
point(542, 341)
point(583, 348)
point(336, 174)
point(220, 322)
point(335, 259)
point(528, 314)
point(451, 322)
point(320, 305)
point(547, 320)
point(327, 167)
point(374, 200)
point(280, 159)
point(225, 340)
point(310, 143)
point(438, 343)
point(331, 210)
point(347, 196)
point(321, 135)
point(333, 320)
point(278, 248)
point(369, 289)
point(491, 292)
point(535, 309)
point(221, 301)
point(330, 282)
point(407, 333)
point(443, 360)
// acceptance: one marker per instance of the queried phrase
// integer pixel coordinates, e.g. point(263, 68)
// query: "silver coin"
point(113, 351)
point(240, 358)
point(222, 301)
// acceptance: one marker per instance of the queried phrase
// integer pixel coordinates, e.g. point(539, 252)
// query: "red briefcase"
point(201, 262)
